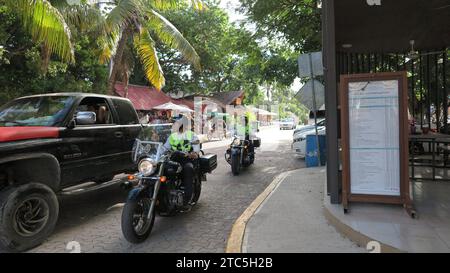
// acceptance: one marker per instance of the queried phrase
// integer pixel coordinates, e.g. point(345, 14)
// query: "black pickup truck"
point(53, 141)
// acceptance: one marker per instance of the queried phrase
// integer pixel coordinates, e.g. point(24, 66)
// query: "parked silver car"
point(288, 124)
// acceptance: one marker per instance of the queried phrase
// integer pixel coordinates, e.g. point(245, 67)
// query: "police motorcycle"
point(239, 154)
point(157, 187)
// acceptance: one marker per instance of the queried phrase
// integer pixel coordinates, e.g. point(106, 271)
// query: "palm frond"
point(165, 4)
point(171, 36)
point(198, 5)
point(124, 13)
point(46, 25)
point(145, 47)
point(176, 4)
point(84, 16)
point(107, 44)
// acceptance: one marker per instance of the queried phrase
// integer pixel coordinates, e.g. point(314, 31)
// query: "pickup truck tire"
point(28, 215)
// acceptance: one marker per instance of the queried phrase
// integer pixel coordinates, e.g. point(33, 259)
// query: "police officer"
point(184, 140)
point(247, 131)
point(245, 127)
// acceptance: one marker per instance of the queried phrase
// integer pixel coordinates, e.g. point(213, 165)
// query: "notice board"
point(374, 132)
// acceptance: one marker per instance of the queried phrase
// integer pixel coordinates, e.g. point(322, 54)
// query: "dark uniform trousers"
point(188, 179)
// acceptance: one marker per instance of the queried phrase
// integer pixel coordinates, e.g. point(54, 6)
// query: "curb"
point(355, 236)
point(235, 239)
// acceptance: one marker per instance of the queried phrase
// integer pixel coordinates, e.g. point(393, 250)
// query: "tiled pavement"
point(93, 219)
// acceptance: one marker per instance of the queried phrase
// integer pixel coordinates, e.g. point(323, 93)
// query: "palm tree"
point(48, 21)
point(133, 24)
point(47, 27)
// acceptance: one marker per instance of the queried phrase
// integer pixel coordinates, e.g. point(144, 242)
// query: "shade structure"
point(172, 106)
point(263, 112)
point(390, 26)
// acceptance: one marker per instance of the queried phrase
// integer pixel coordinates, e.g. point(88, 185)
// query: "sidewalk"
point(291, 218)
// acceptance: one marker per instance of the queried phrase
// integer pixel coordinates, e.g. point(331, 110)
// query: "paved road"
point(93, 219)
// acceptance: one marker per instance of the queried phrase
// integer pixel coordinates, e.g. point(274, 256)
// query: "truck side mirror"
point(85, 118)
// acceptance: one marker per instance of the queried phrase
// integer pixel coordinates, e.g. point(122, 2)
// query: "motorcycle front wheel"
point(136, 226)
point(235, 164)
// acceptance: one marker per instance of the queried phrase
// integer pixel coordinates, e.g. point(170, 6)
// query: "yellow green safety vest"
point(242, 130)
point(179, 144)
point(245, 129)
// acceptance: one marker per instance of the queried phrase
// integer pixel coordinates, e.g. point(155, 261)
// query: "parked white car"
point(299, 141)
point(304, 128)
point(288, 123)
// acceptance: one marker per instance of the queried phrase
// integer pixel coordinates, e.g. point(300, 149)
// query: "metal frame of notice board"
point(401, 99)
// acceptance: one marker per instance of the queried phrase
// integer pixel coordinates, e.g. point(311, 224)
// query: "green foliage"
point(288, 105)
point(293, 27)
point(297, 21)
point(142, 20)
point(232, 57)
point(227, 56)
point(20, 74)
point(45, 24)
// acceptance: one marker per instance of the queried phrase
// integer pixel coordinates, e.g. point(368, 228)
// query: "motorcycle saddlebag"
point(256, 142)
point(208, 163)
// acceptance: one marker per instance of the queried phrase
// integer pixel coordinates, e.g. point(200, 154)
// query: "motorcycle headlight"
point(146, 167)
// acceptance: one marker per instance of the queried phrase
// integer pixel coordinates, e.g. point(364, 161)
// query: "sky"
point(230, 6)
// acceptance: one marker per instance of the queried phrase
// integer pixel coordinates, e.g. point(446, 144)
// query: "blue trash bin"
point(311, 151)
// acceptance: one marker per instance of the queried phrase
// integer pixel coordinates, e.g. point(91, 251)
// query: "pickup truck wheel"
point(28, 215)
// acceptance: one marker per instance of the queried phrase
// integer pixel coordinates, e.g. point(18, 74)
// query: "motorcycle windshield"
point(155, 132)
point(150, 142)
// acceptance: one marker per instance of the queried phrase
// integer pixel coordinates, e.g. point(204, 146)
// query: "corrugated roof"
point(227, 97)
point(143, 97)
point(184, 102)
point(205, 100)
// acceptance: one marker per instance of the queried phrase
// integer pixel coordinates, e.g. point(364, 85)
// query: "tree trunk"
point(117, 59)
point(45, 59)
point(126, 81)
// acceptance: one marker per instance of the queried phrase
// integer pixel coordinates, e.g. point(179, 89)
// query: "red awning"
point(143, 98)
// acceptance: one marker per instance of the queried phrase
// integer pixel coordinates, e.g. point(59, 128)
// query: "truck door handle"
point(118, 134)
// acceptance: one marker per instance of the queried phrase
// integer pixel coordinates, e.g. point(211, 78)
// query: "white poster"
point(374, 138)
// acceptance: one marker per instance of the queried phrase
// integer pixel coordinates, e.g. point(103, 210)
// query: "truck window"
point(36, 111)
point(100, 107)
point(127, 114)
